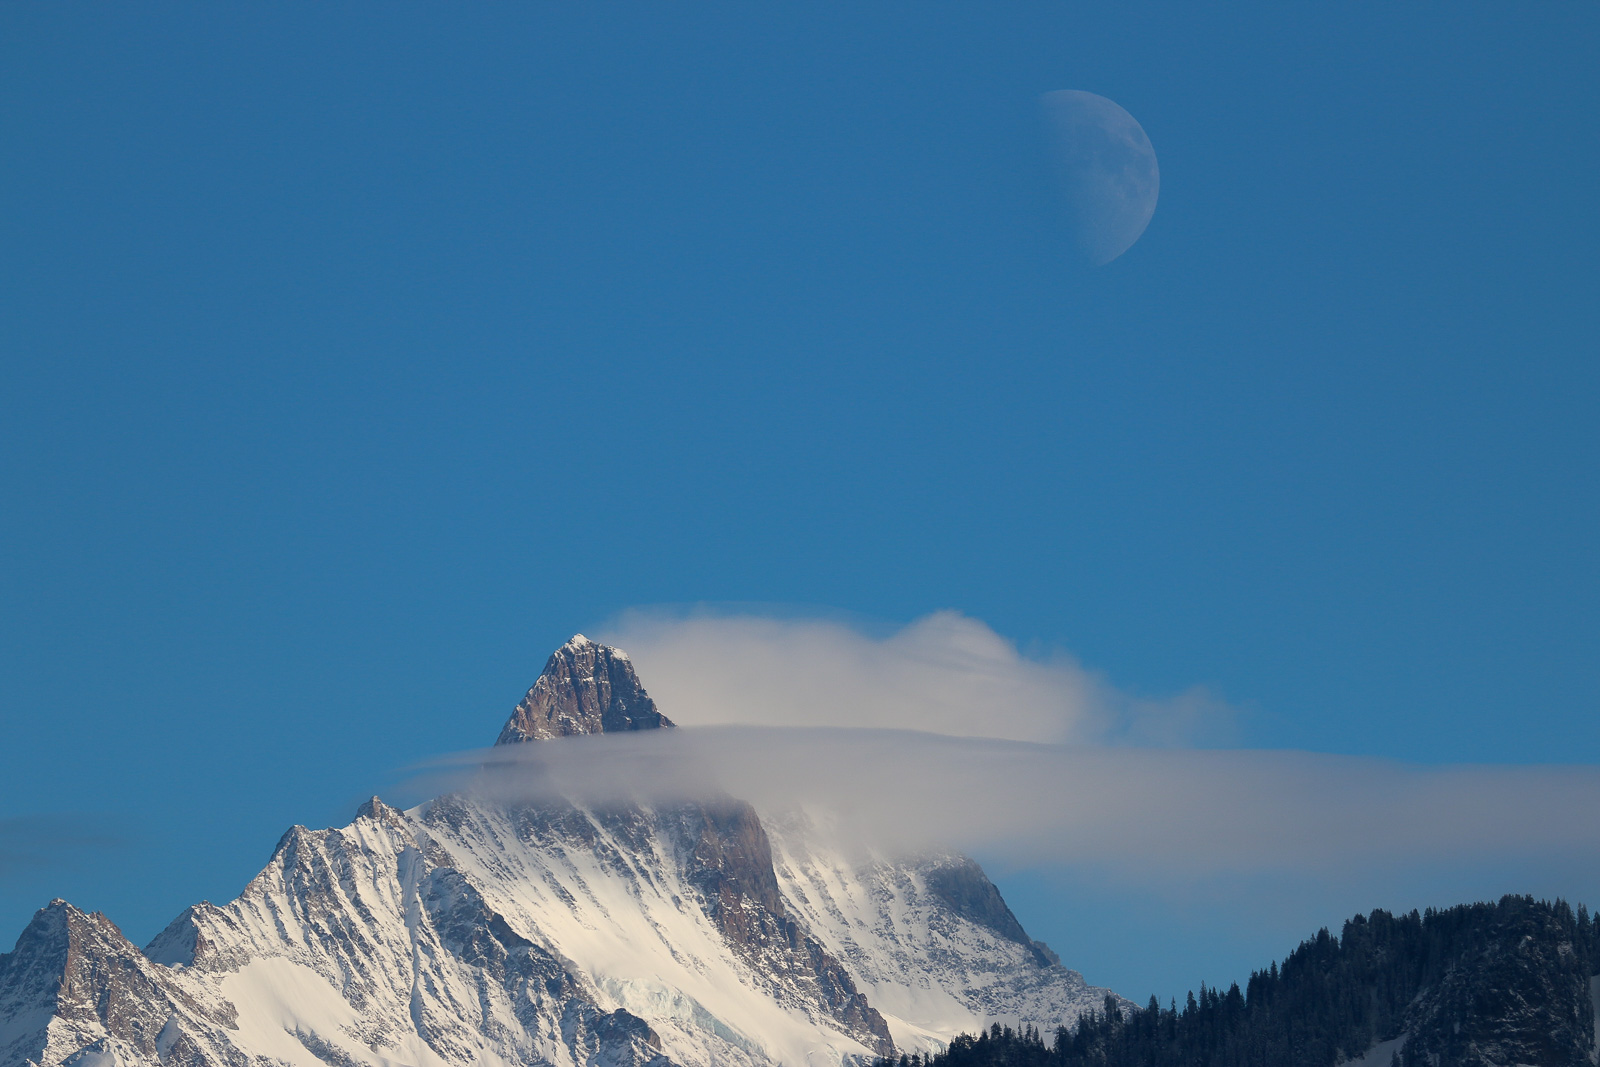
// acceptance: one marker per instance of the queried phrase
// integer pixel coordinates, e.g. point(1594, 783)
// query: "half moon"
point(1105, 170)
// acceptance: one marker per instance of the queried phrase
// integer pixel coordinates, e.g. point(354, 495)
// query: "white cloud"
point(942, 735)
point(944, 674)
point(1138, 813)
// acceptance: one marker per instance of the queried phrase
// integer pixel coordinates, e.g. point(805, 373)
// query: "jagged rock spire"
point(586, 688)
point(76, 991)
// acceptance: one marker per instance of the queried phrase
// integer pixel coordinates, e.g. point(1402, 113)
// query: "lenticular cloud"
point(1138, 813)
point(942, 735)
point(945, 673)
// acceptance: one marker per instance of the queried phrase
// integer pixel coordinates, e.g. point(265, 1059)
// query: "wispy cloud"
point(946, 673)
point(35, 842)
point(1139, 813)
point(943, 735)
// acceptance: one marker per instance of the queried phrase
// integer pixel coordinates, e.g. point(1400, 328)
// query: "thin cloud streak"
point(39, 842)
point(945, 673)
point(942, 735)
point(1129, 812)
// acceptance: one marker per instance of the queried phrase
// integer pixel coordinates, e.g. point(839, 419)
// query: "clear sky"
point(351, 358)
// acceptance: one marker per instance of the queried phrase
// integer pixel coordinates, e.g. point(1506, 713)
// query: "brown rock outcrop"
point(585, 688)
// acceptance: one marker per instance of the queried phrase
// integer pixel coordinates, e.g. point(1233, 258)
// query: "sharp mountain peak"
point(585, 688)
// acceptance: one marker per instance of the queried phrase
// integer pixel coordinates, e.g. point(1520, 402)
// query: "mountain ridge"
point(463, 931)
point(585, 688)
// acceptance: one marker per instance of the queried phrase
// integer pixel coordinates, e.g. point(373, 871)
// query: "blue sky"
point(351, 359)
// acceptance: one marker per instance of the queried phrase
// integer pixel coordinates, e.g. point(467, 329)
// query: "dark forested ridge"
point(1470, 986)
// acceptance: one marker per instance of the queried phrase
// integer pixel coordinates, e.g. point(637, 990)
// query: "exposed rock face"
point(731, 864)
point(74, 983)
point(585, 689)
point(963, 887)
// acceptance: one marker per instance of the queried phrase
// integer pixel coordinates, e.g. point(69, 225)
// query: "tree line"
point(1330, 1000)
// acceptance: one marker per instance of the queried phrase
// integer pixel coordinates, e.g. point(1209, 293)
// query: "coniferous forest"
point(1468, 986)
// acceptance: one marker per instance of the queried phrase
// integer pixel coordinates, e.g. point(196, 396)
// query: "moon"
point(1105, 170)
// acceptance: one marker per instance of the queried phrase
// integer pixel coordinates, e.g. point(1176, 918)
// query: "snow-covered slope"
point(76, 991)
point(465, 932)
point(930, 941)
point(665, 911)
point(364, 945)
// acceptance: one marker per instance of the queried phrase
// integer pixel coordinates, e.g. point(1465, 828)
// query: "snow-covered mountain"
point(465, 931)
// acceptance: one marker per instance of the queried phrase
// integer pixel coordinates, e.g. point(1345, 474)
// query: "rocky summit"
point(469, 932)
point(586, 688)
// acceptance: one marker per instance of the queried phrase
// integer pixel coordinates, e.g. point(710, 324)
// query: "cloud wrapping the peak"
point(945, 673)
point(1135, 813)
point(942, 735)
